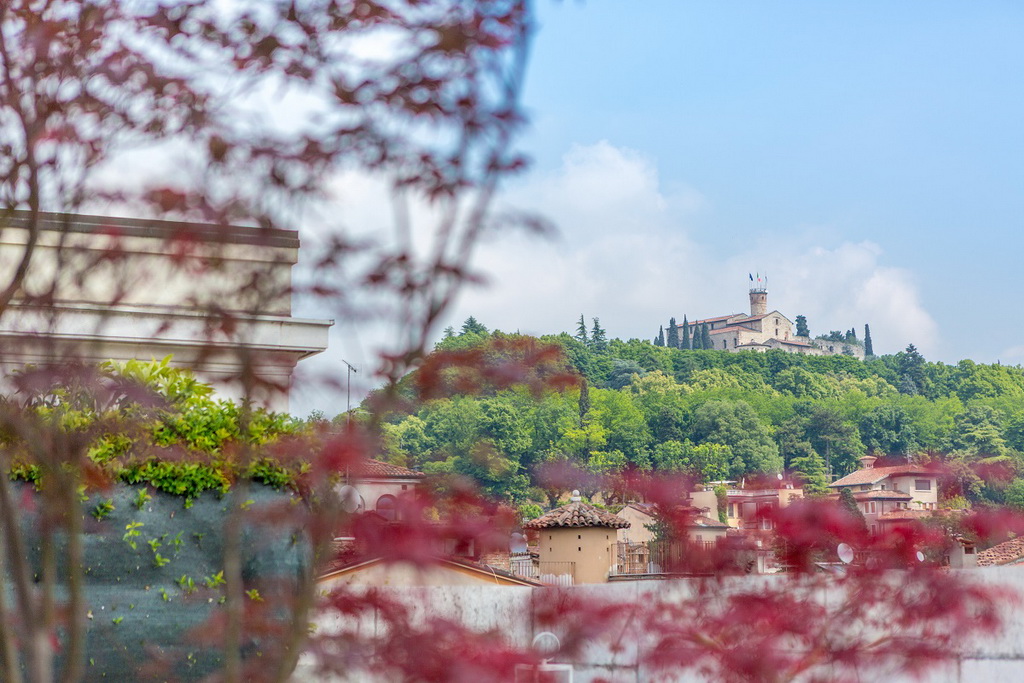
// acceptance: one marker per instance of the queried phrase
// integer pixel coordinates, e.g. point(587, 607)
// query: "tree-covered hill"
point(714, 414)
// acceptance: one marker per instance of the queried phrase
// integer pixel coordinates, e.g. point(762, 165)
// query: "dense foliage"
point(148, 422)
point(722, 415)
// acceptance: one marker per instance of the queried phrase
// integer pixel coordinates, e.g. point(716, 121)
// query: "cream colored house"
point(576, 540)
point(378, 485)
point(881, 490)
point(216, 298)
point(641, 516)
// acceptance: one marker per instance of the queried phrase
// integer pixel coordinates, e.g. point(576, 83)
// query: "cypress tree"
point(660, 339)
point(684, 343)
point(868, 351)
point(584, 404)
point(696, 342)
point(801, 326)
point(705, 337)
point(672, 341)
point(848, 502)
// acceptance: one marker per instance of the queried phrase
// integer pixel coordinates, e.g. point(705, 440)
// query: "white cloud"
point(628, 253)
point(846, 286)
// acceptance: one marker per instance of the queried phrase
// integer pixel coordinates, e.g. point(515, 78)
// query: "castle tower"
point(758, 300)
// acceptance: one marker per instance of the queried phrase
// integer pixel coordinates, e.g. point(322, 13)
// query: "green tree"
point(581, 332)
point(735, 424)
point(672, 341)
point(623, 372)
point(869, 350)
point(1015, 494)
point(705, 337)
point(809, 467)
point(660, 339)
point(684, 343)
point(887, 428)
point(622, 422)
point(472, 326)
point(849, 503)
point(598, 337)
point(979, 431)
point(801, 326)
point(911, 371)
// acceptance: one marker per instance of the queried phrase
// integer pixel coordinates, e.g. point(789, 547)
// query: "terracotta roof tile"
point(378, 468)
point(871, 475)
point(1005, 553)
point(577, 514)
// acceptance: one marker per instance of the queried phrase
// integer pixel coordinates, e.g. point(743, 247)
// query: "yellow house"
point(576, 541)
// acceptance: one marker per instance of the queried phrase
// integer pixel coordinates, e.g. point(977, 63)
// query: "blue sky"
point(869, 156)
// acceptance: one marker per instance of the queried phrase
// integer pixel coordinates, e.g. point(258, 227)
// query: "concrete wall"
point(508, 609)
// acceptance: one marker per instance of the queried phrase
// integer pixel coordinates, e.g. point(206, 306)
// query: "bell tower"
point(758, 300)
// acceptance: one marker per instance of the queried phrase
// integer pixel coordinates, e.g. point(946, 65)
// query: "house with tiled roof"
point(763, 330)
point(882, 490)
point(576, 541)
point(376, 486)
point(641, 516)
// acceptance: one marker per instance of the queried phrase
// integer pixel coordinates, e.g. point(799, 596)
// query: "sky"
point(866, 156)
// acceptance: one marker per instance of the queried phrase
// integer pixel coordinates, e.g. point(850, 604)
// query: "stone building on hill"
point(763, 330)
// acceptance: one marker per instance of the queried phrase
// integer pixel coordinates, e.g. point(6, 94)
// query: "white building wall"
point(507, 609)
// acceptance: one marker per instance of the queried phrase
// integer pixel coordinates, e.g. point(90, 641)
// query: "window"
point(872, 507)
point(922, 484)
point(724, 343)
point(732, 509)
point(883, 487)
point(386, 507)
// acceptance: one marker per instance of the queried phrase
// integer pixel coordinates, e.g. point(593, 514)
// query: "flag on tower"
point(751, 276)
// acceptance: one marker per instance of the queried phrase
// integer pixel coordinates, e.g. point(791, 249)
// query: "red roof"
point(711, 320)
point(577, 514)
point(1005, 553)
point(873, 475)
point(384, 470)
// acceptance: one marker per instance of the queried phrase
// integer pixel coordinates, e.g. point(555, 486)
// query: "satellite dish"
point(546, 644)
point(517, 543)
point(920, 556)
point(779, 476)
point(845, 553)
point(351, 501)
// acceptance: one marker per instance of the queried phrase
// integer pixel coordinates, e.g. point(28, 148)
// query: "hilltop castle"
point(763, 330)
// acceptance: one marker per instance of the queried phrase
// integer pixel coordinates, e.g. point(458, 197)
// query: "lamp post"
point(348, 391)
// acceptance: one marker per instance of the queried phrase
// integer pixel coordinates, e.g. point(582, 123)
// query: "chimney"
point(867, 462)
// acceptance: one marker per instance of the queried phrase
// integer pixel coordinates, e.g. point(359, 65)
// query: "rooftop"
point(871, 475)
point(577, 514)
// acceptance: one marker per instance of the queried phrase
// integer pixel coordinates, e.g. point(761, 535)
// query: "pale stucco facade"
point(215, 298)
point(590, 551)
